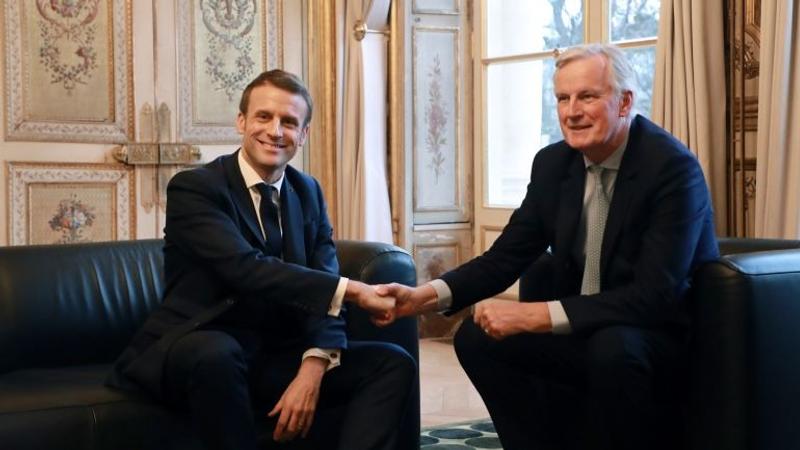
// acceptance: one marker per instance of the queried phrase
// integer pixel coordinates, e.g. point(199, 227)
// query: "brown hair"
point(282, 80)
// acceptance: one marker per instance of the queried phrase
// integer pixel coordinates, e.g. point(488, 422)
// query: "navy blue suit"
point(659, 228)
point(227, 304)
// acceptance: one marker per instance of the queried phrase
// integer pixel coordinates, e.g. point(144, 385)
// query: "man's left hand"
point(503, 318)
point(299, 402)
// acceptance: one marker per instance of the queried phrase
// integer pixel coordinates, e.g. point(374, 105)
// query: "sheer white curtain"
point(689, 86)
point(364, 211)
point(778, 142)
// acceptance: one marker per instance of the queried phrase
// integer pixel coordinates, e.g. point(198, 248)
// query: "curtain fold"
point(778, 141)
point(364, 209)
point(689, 87)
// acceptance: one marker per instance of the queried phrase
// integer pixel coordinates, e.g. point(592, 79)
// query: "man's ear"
point(626, 103)
point(240, 123)
point(303, 135)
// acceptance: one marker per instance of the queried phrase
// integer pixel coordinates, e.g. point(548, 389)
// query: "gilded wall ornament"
point(229, 23)
point(68, 40)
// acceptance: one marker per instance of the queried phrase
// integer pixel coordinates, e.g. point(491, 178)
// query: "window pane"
point(633, 19)
point(521, 119)
point(643, 60)
point(526, 26)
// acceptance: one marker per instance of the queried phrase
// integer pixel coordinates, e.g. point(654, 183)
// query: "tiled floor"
point(447, 394)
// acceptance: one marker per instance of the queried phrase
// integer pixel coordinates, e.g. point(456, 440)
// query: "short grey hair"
point(623, 78)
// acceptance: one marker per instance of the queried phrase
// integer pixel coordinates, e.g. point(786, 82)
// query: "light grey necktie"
point(596, 214)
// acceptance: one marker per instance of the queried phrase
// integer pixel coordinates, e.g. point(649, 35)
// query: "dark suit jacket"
point(659, 228)
point(216, 269)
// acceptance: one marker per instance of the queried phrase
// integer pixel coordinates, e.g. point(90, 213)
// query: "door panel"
point(134, 45)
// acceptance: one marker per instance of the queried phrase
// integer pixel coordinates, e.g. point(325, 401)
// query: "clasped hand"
point(497, 318)
point(365, 296)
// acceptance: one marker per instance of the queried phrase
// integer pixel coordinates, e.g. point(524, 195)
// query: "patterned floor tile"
point(474, 435)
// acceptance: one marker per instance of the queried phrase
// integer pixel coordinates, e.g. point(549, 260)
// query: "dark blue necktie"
point(269, 219)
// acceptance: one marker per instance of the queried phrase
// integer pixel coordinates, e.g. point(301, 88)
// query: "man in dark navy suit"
point(250, 327)
point(625, 211)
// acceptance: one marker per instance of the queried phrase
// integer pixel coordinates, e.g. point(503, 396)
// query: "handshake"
point(388, 302)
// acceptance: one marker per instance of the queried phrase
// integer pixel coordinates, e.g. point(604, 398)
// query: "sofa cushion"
point(69, 408)
point(64, 305)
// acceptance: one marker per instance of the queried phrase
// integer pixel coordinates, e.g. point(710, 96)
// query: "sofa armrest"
point(375, 263)
point(744, 362)
point(731, 245)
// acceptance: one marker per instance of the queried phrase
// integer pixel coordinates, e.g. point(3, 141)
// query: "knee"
point(210, 354)
point(398, 362)
point(470, 342)
point(617, 354)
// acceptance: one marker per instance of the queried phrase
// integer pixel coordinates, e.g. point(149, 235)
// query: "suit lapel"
point(294, 250)
point(571, 204)
point(624, 190)
point(242, 199)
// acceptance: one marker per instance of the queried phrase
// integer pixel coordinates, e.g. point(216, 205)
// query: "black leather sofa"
point(742, 383)
point(67, 311)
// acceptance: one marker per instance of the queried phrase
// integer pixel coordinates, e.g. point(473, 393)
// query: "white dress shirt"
point(558, 317)
point(251, 180)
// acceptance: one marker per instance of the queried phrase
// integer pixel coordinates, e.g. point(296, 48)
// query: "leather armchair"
point(743, 377)
point(67, 311)
point(744, 371)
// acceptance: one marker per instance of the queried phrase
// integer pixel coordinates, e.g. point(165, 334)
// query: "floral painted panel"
point(68, 72)
point(68, 44)
point(436, 252)
point(223, 45)
point(76, 213)
point(436, 119)
point(55, 203)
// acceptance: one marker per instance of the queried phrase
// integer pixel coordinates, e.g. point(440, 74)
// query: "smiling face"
point(594, 119)
point(272, 129)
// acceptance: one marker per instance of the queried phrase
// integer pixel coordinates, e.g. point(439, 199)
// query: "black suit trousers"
point(604, 391)
point(228, 382)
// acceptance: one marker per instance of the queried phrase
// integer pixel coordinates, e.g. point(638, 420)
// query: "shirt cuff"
point(558, 317)
point(338, 297)
point(332, 355)
point(443, 294)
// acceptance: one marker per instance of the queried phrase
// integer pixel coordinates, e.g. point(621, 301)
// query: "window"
point(518, 42)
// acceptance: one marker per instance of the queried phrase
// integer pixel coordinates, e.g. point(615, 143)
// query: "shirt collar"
point(251, 178)
point(614, 160)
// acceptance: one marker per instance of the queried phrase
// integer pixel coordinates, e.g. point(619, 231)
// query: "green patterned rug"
point(473, 435)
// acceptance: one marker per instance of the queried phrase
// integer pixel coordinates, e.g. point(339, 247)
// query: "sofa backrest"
point(75, 304)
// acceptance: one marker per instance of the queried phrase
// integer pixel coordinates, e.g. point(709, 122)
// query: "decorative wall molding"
point(219, 53)
point(437, 250)
point(63, 203)
point(447, 7)
point(750, 113)
point(68, 71)
point(743, 46)
point(436, 95)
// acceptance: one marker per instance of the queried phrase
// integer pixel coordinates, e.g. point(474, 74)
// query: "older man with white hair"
point(625, 211)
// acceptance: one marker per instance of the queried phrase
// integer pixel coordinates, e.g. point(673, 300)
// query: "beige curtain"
point(364, 211)
point(689, 87)
point(778, 142)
